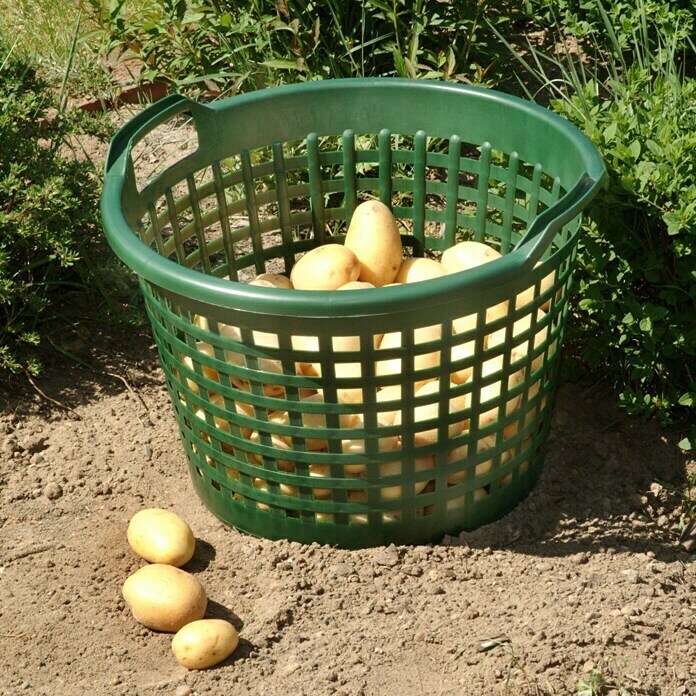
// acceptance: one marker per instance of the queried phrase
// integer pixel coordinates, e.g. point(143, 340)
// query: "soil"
point(585, 576)
point(585, 579)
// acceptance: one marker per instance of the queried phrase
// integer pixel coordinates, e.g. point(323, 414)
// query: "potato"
point(204, 643)
point(429, 411)
point(356, 445)
point(462, 452)
point(276, 280)
point(458, 503)
point(467, 255)
point(393, 468)
point(528, 295)
point(416, 270)
point(462, 351)
point(325, 268)
point(375, 239)
point(421, 361)
point(161, 536)
point(492, 391)
point(462, 257)
point(164, 598)
point(357, 285)
point(520, 350)
point(283, 489)
point(278, 442)
point(324, 471)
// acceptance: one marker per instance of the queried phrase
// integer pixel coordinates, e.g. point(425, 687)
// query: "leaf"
point(634, 149)
point(686, 444)
point(646, 324)
point(610, 131)
point(688, 399)
point(278, 64)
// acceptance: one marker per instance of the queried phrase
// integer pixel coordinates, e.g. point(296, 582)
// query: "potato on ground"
point(164, 598)
point(202, 644)
point(161, 536)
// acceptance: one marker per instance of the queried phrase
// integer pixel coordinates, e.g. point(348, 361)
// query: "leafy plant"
point(48, 209)
point(227, 45)
point(636, 314)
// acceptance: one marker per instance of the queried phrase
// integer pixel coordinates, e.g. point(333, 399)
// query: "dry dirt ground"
point(585, 579)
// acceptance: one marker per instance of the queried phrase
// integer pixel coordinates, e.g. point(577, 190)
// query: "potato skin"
point(467, 255)
point(164, 598)
point(419, 269)
point(375, 239)
point(202, 644)
point(161, 536)
point(325, 268)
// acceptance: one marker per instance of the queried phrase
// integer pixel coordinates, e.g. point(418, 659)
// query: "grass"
point(57, 33)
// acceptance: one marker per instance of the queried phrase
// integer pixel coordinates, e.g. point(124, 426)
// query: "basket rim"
point(210, 290)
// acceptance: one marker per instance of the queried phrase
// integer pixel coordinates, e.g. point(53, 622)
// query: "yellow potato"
point(462, 452)
point(462, 351)
point(421, 361)
point(458, 503)
point(375, 239)
point(164, 598)
point(520, 350)
point(357, 285)
point(277, 442)
point(467, 255)
point(325, 268)
point(161, 536)
point(283, 489)
point(429, 411)
point(416, 270)
point(393, 468)
point(492, 392)
point(276, 280)
point(324, 471)
point(356, 445)
point(462, 257)
point(528, 295)
point(202, 644)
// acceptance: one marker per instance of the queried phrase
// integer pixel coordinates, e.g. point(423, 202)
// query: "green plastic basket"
point(285, 436)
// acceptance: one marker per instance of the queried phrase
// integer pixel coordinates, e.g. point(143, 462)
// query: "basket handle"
point(545, 226)
point(147, 120)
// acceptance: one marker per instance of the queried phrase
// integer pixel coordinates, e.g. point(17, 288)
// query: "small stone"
point(183, 690)
point(343, 569)
point(436, 590)
point(387, 557)
point(147, 451)
point(588, 667)
point(543, 567)
point(52, 491)
point(662, 521)
point(37, 459)
point(631, 575)
point(592, 616)
point(580, 558)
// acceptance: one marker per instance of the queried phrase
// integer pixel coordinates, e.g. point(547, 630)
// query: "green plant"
point(636, 314)
point(48, 209)
point(227, 45)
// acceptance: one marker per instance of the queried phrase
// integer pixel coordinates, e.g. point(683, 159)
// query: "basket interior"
point(293, 420)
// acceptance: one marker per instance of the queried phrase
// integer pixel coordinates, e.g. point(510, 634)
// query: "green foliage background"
point(624, 73)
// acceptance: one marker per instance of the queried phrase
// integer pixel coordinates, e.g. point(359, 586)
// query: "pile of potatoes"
point(165, 598)
point(372, 256)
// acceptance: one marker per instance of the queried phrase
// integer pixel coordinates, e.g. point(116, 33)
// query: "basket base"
point(423, 530)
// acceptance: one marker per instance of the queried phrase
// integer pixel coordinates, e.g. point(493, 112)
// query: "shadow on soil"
point(610, 481)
